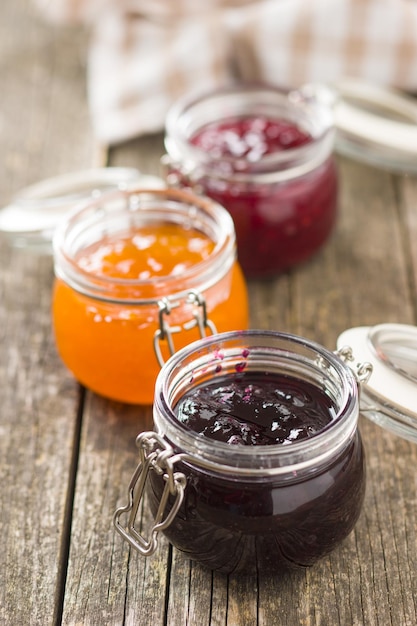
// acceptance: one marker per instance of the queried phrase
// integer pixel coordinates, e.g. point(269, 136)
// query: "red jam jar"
point(139, 274)
point(255, 460)
point(265, 154)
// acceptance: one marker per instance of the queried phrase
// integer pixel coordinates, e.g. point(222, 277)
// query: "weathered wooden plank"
point(44, 119)
point(42, 111)
point(199, 601)
point(360, 278)
point(37, 424)
point(242, 600)
point(407, 196)
point(105, 584)
point(144, 153)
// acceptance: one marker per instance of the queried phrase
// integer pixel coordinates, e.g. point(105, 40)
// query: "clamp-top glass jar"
point(265, 155)
point(139, 274)
point(256, 459)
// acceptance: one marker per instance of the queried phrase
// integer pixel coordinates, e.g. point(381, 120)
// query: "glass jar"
point(114, 332)
point(240, 507)
point(266, 156)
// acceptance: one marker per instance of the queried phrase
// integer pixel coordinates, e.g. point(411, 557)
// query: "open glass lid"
point(389, 398)
point(376, 124)
point(30, 220)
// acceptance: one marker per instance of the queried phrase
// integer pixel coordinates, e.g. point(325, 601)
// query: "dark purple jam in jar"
point(260, 431)
point(258, 409)
point(266, 156)
point(238, 525)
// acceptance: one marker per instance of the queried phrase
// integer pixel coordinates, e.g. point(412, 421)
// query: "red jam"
point(249, 138)
point(279, 223)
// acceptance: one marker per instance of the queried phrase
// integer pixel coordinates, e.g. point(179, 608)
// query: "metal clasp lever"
point(154, 455)
point(165, 331)
point(363, 370)
point(200, 315)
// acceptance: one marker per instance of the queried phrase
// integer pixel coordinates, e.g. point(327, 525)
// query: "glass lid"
point(376, 124)
point(389, 398)
point(30, 219)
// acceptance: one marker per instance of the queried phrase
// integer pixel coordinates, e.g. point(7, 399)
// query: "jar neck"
point(123, 211)
point(300, 108)
point(261, 351)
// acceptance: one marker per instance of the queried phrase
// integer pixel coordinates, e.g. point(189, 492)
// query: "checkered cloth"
point(144, 54)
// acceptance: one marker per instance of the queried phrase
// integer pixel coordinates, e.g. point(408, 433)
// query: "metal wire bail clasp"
point(363, 371)
point(165, 330)
point(158, 456)
point(200, 315)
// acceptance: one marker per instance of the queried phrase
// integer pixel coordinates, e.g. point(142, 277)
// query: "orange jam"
point(113, 287)
point(147, 252)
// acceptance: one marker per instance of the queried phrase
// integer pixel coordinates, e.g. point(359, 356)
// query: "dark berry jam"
point(256, 409)
point(278, 224)
point(230, 522)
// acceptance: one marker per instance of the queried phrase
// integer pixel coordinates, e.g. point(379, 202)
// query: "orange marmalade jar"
point(140, 274)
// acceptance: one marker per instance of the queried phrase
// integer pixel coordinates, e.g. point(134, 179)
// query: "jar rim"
point(194, 110)
point(122, 207)
point(241, 460)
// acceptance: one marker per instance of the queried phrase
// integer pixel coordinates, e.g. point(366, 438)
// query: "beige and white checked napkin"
point(144, 54)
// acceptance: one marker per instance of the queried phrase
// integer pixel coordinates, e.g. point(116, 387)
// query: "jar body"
point(280, 505)
point(283, 224)
point(236, 525)
point(109, 346)
point(284, 206)
point(105, 329)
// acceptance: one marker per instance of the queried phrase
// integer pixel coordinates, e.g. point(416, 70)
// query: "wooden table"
point(66, 455)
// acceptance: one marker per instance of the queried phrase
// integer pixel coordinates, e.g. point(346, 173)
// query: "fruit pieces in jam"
point(256, 409)
point(278, 224)
point(249, 139)
point(147, 253)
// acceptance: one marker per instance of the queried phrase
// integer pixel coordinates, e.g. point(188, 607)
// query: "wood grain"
point(44, 130)
point(66, 456)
